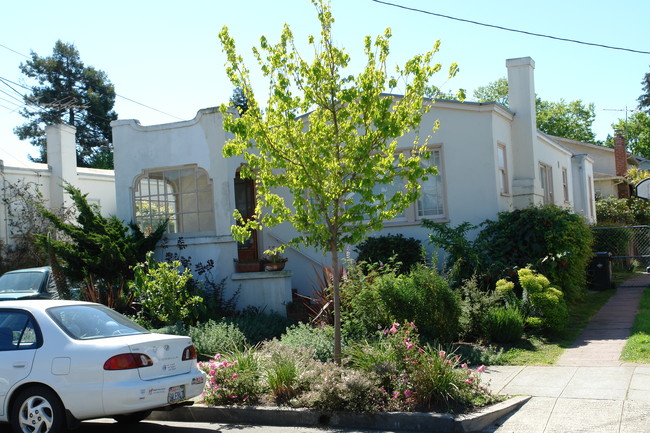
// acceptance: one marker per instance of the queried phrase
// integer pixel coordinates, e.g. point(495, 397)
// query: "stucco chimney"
point(62, 160)
point(620, 159)
point(521, 96)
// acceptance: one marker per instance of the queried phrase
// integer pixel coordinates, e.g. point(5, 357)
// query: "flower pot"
point(277, 266)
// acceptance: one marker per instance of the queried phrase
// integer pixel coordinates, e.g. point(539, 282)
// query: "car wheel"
point(37, 410)
point(132, 418)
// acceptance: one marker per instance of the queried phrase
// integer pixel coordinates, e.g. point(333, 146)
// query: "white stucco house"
point(490, 159)
point(49, 178)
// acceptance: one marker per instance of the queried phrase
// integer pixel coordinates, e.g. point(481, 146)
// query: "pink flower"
point(442, 354)
point(412, 325)
point(481, 369)
point(409, 346)
point(468, 381)
point(393, 377)
point(395, 394)
point(394, 328)
point(408, 393)
point(421, 350)
point(463, 365)
point(234, 376)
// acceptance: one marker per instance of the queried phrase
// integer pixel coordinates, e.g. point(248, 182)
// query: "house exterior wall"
point(469, 139)
point(193, 143)
point(50, 178)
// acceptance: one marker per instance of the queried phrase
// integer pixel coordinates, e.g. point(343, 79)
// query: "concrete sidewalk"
point(589, 390)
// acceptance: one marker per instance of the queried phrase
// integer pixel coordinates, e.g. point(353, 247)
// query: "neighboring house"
point(49, 179)
point(610, 165)
point(490, 159)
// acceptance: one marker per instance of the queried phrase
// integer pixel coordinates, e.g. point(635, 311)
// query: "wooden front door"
point(245, 202)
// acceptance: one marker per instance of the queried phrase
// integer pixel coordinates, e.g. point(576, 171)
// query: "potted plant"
point(273, 260)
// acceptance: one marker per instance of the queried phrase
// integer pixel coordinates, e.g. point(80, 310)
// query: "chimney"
point(521, 98)
point(62, 160)
point(620, 159)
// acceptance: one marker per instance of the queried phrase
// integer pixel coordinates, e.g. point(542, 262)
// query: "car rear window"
point(87, 322)
point(20, 282)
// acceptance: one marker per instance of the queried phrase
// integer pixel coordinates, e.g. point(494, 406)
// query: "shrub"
point(232, 379)
point(544, 301)
point(553, 240)
point(424, 297)
point(403, 253)
point(216, 337)
point(335, 388)
point(258, 327)
point(416, 377)
point(163, 293)
point(320, 340)
point(362, 307)
point(475, 305)
point(622, 211)
point(505, 324)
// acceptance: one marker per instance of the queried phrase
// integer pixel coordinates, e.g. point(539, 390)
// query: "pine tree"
point(69, 92)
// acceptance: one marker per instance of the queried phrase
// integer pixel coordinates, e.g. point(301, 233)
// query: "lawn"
point(637, 348)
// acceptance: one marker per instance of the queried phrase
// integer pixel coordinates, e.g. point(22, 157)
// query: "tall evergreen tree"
point(69, 92)
point(644, 99)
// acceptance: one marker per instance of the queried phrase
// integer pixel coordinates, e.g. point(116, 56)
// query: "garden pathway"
point(601, 342)
point(589, 389)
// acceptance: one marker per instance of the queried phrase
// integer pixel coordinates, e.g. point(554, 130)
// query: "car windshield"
point(86, 322)
point(20, 282)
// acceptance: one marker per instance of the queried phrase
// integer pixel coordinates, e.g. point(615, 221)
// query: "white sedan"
point(66, 361)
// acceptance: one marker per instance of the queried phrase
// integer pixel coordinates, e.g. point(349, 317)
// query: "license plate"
point(176, 394)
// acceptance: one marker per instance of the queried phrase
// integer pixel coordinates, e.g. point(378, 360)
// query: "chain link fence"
point(629, 245)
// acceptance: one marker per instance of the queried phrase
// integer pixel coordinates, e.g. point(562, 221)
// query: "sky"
point(166, 55)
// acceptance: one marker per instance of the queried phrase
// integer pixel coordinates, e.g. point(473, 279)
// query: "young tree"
point(69, 92)
point(331, 160)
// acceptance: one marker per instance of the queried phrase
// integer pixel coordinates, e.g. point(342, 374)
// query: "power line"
point(541, 35)
point(123, 97)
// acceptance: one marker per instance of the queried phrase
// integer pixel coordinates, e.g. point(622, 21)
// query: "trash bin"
point(601, 271)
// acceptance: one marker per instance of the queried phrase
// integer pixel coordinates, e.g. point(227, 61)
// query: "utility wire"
point(123, 97)
point(510, 29)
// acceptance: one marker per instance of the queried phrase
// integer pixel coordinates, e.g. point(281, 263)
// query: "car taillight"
point(127, 361)
point(189, 352)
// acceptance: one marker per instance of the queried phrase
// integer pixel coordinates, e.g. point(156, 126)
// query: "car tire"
point(37, 409)
point(132, 418)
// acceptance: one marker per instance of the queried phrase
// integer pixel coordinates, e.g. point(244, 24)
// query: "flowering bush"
point(417, 378)
point(234, 381)
point(393, 373)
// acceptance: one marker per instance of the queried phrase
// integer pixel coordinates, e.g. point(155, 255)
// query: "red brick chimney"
point(620, 158)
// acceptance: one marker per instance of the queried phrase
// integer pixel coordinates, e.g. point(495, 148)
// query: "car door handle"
point(20, 364)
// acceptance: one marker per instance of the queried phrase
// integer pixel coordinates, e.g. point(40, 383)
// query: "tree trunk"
point(337, 304)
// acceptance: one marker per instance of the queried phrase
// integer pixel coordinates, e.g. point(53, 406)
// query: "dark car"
point(32, 283)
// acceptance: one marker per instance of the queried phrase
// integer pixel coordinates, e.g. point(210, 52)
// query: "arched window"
point(182, 196)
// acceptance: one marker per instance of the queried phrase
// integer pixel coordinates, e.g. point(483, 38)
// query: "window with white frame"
point(431, 203)
point(546, 180)
point(565, 184)
point(503, 169)
point(182, 196)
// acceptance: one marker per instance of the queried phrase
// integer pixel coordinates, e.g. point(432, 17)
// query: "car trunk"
point(166, 355)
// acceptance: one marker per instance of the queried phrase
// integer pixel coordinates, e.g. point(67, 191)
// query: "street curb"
point(405, 421)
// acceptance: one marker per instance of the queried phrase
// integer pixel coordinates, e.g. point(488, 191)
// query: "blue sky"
point(168, 56)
